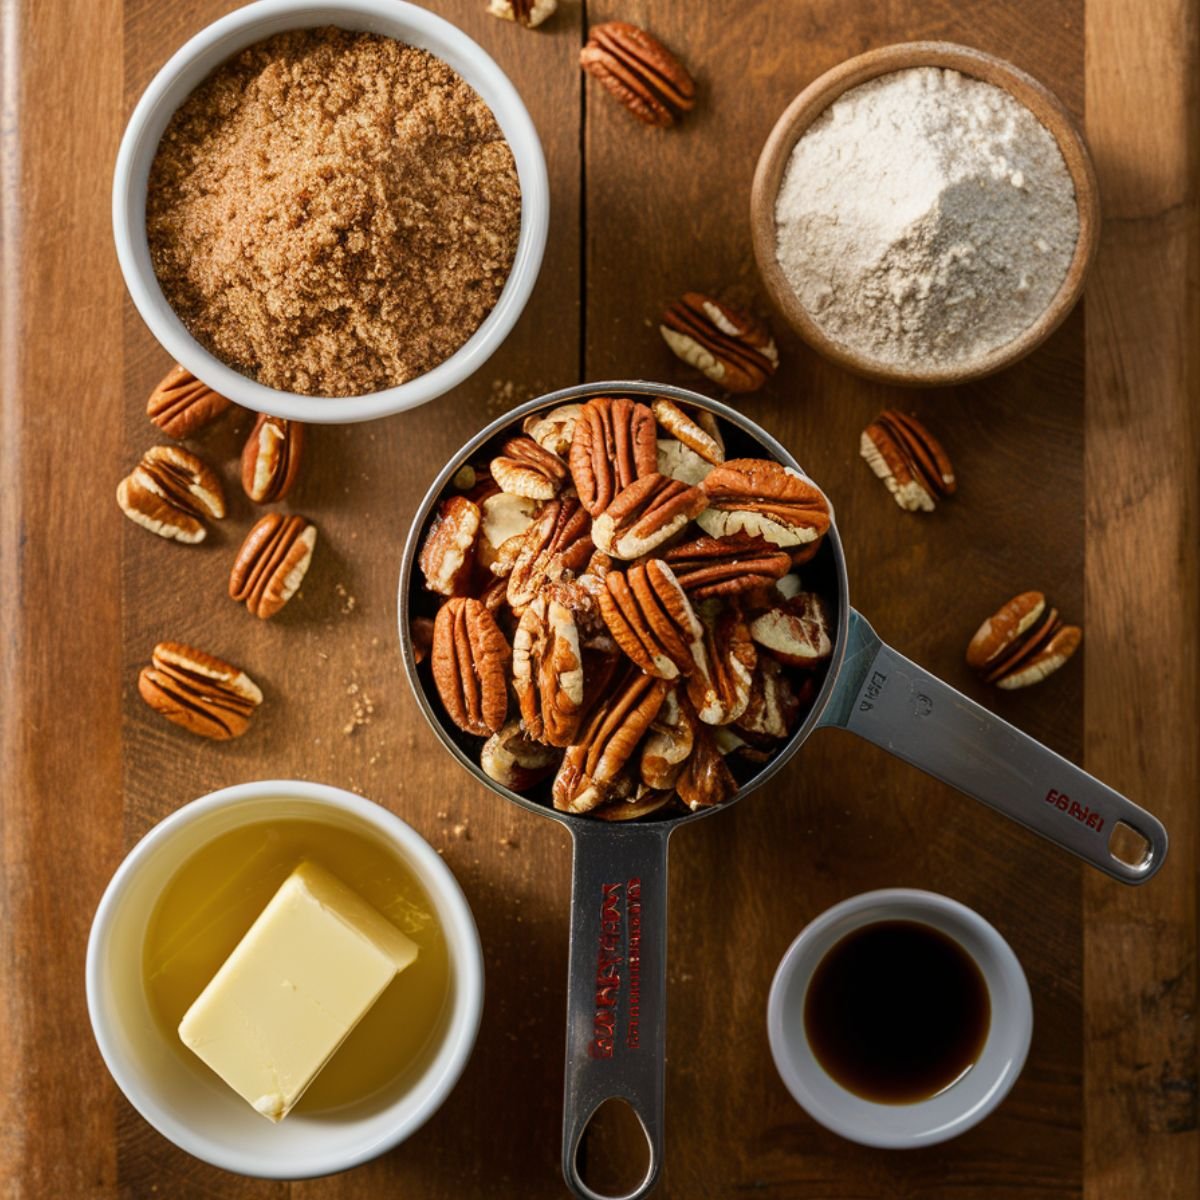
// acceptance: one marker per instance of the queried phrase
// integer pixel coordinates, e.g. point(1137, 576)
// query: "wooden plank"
point(335, 650)
point(1143, 593)
point(844, 817)
point(59, 575)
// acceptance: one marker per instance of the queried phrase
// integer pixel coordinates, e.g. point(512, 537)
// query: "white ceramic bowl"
point(951, 1112)
point(193, 1108)
point(224, 38)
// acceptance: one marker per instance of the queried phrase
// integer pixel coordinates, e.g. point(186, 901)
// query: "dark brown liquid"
point(897, 1011)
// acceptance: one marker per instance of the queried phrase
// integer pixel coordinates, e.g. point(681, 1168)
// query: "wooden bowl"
point(817, 97)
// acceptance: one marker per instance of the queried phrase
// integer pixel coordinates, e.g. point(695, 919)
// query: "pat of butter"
point(306, 972)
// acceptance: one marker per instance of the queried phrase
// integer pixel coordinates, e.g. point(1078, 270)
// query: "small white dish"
point(199, 1113)
point(960, 1106)
point(196, 60)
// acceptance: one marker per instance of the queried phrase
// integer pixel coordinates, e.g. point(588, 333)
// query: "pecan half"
point(774, 705)
point(470, 666)
point(647, 513)
point(555, 430)
point(705, 779)
point(530, 13)
point(680, 462)
point(547, 672)
point(448, 552)
point(704, 439)
point(613, 445)
point(651, 619)
point(795, 632)
point(592, 766)
point(909, 460)
point(733, 348)
point(203, 694)
point(558, 542)
point(639, 71)
point(726, 566)
point(719, 688)
point(181, 405)
point(170, 492)
point(271, 458)
point(514, 760)
point(527, 469)
point(765, 499)
point(272, 563)
point(505, 518)
point(667, 746)
point(1023, 643)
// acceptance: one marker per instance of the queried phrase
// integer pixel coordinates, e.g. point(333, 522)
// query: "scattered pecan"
point(547, 672)
point(591, 767)
point(691, 430)
point(909, 460)
point(448, 552)
point(1022, 643)
point(639, 71)
point(559, 541)
point(470, 666)
point(796, 631)
point(271, 458)
point(181, 405)
point(651, 619)
point(516, 761)
point(705, 779)
point(613, 445)
point(733, 348)
point(170, 492)
point(272, 563)
point(765, 499)
point(726, 566)
point(204, 694)
point(530, 13)
point(527, 469)
point(719, 688)
point(650, 511)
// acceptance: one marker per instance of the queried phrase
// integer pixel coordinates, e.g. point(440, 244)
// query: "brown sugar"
point(332, 213)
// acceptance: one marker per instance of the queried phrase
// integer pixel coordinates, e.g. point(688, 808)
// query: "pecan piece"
point(709, 566)
point(527, 469)
point(694, 432)
point(644, 802)
point(774, 705)
point(272, 563)
point(733, 348)
point(421, 631)
point(591, 769)
point(505, 518)
point(555, 430)
point(470, 666)
point(651, 619)
point(514, 760)
point(547, 672)
point(796, 632)
point(613, 445)
point(181, 405)
point(719, 688)
point(1023, 643)
point(909, 460)
point(647, 513)
point(529, 13)
point(271, 458)
point(170, 492)
point(639, 71)
point(204, 694)
point(669, 743)
point(705, 779)
point(766, 499)
point(679, 462)
point(448, 552)
point(558, 542)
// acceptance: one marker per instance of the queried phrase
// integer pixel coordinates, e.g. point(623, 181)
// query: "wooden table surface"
point(1078, 474)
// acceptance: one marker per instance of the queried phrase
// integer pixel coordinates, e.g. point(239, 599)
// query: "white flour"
point(926, 218)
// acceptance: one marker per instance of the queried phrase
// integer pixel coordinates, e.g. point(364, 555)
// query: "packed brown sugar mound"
point(333, 213)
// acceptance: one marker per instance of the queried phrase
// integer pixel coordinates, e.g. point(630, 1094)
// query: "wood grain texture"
point(637, 218)
point(1143, 594)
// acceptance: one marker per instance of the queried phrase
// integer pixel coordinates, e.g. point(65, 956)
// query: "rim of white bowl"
point(462, 937)
point(394, 18)
point(946, 915)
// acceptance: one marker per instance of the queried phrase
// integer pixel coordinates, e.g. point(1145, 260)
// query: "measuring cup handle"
point(888, 700)
point(617, 987)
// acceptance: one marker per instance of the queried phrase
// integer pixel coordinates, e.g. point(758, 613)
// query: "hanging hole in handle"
point(613, 1156)
point(1128, 846)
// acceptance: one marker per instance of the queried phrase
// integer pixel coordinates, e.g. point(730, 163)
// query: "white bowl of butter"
point(198, 1080)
